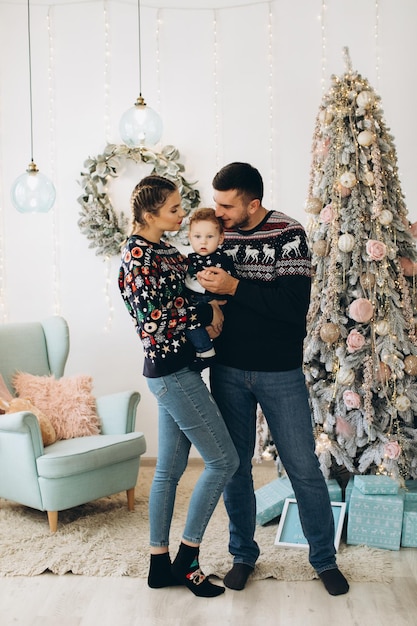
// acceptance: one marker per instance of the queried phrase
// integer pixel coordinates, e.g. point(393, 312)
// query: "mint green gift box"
point(375, 520)
point(335, 490)
point(409, 529)
point(374, 484)
point(411, 490)
point(270, 499)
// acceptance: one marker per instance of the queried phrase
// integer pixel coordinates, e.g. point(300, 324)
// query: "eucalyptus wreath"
point(99, 221)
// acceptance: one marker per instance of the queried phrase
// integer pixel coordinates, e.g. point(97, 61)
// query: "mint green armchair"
point(68, 472)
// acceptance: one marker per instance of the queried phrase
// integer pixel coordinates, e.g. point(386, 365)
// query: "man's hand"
point(217, 280)
point(212, 333)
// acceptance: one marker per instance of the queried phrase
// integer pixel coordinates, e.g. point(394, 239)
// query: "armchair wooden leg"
point(53, 520)
point(131, 499)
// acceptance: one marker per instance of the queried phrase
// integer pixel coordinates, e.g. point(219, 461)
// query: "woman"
point(151, 281)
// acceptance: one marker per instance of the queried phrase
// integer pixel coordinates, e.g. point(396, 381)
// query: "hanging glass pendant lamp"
point(32, 192)
point(140, 125)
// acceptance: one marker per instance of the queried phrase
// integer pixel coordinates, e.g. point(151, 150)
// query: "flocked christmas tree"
point(361, 345)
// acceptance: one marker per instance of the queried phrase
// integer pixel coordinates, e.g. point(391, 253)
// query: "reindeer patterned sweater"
point(265, 321)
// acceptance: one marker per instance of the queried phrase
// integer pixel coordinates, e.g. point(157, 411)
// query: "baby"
point(206, 236)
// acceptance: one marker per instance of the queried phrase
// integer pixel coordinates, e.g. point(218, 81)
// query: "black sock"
point(186, 570)
point(238, 575)
point(334, 581)
point(160, 574)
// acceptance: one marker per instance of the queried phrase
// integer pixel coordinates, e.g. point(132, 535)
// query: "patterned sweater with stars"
point(151, 282)
point(265, 321)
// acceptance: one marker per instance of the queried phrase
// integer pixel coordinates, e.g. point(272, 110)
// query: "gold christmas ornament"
point(382, 328)
point(346, 242)
point(364, 99)
point(313, 205)
point(367, 281)
point(368, 179)
point(365, 138)
point(329, 332)
point(348, 179)
point(321, 247)
point(326, 116)
point(385, 217)
point(410, 365)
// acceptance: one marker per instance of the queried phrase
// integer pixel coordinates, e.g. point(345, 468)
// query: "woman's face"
point(170, 214)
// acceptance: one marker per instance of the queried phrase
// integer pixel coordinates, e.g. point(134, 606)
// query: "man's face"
point(232, 208)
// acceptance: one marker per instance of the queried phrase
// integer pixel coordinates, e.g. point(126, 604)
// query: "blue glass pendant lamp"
point(32, 192)
point(140, 125)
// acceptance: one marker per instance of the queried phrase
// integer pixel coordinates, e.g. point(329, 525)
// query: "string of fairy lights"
point(56, 287)
point(323, 45)
point(377, 48)
point(271, 107)
point(108, 276)
point(216, 95)
point(3, 310)
point(271, 61)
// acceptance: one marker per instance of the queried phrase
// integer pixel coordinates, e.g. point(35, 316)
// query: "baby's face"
point(205, 237)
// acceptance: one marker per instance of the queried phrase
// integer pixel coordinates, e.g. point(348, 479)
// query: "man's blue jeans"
point(188, 415)
point(283, 398)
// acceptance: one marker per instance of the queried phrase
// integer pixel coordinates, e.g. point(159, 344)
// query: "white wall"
point(257, 103)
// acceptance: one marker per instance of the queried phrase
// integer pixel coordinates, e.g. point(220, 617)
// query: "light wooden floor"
point(69, 600)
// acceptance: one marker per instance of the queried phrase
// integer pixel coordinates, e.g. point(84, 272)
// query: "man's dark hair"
point(240, 176)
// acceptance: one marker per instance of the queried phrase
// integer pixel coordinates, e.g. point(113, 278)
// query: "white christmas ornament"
point(345, 376)
point(346, 242)
point(348, 179)
point(385, 217)
point(382, 328)
point(365, 138)
point(364, 99)
point(402, 403)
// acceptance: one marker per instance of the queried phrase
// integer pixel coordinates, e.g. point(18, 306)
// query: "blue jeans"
point(283, 398)
point(200, 339)
point(187, 414)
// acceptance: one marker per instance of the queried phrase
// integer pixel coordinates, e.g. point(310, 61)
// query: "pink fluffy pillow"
point(68, 402)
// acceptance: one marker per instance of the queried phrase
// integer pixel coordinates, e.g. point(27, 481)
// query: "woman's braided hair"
point(148, 196)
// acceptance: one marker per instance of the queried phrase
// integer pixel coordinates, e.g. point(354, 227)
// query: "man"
point(259, 361)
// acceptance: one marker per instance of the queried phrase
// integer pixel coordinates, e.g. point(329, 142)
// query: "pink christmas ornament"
point(392, 450)
point(361, 310)
point(351, 399)
point(384, 373)
point(343, 191)
point(409, 268)
point(343, 427)
point(355, 340)
point(327, 214)
point(376, 249)
point(413, 230)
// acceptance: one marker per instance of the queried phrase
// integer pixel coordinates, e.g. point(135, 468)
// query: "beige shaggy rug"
point(104, 539)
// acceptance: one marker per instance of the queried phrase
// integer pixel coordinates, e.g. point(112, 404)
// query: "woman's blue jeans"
point(283, 398)
point(188, 415)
